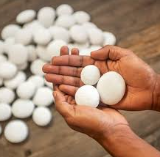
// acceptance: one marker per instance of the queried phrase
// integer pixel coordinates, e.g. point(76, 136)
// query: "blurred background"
point(136, 25)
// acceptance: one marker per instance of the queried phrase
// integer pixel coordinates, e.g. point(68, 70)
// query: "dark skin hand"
point(139, 77)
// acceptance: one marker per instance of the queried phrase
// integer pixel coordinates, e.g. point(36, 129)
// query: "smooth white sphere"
point(109, 38)
point(42, 116)
point(43, 97)
point(111, 87)
point(96, 36)
point(36, 67)
point(48, 84)
point(15, 81)
point(87, 95)
point(23, 36)
point(89, 25)
point(81, 17)
point(32, 55)
point(26, 90)
point(53, 49)
point(22, 66)
point(8, 43)
point(64, 9)
point(60, 33)
point(94, 47)
point(46, 16)
point(3, 58)
point(6, 95)
point(22, 108)
point(65, 21)
point(42, 36)
point(41, 52)
point(7, 70)
point(79, 34)
point(90, 75)
point(18, 54)
point(16, 131)
point(5, 112)
point(9, 31)
point(85, 52)
point(1, 47)
point(25, 16)
point(37, 80)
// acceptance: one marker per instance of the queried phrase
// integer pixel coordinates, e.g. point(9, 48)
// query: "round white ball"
point(16, 131)
point(87, 95)
point(42, 116)
point(46, 16)
point(36, 67)
point(7, 70)
point(48, 84)
point(111, 87)
point(22, 66)
point(90, 75)
point(53, 49)
point(32, 55)
point(22, 108)
point(16, 81)
point(79, 34)
point(3, 58)
point(18, 54)
point(81, 17)
point(89, 25)
point(6, 95)
point(109, 38)
point(5, 112)
point(43, 97)
point(64, 9)
point(8, 43)
point(26, 90)
point(37, 80)
point(25, 16)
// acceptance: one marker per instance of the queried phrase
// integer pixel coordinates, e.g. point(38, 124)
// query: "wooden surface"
point(136, 24)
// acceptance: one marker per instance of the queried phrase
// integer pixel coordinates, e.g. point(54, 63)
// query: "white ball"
point(46, 16)
point(18, 54)
point(96, 36)
point(5, 112)
point(23, 36)
point(85, 52)
point(89, 25)
point(22, 108)
point(1, 47)
point(8, 43)
point(42, 53)
point(22, 66)
point(111, 87)
point(36, 67)
point(42, 36)
point(3, 58)
point(43, 97)
point(81, 17)
point(37, 80)
point(1, 81)
point(87, 95)
point(90, 75)
point(26, 90)
point(6, 95)
point(94, 47)
point(78, 34)
point(48, 84)
point(60, 33)
point(42, 116)
point(32, 55)
point(16, 131)
point(53, 49)
point(9, 31)
point(15, 81)
point(109, 38)
point(7, 70)
point(25, 16)
point(65, 21)
point(0, 130)
point(64, 9)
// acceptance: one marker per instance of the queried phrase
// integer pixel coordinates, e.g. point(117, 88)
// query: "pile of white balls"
point(110, 87)
point(25, 47)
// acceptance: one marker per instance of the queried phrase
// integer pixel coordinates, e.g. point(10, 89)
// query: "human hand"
point(139, 77)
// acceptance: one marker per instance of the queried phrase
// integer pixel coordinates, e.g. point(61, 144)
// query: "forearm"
point(125, 143)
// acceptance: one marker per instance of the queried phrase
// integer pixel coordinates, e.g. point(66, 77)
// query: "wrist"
point(156, 95)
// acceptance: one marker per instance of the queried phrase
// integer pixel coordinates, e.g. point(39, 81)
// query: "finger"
point(62, 106)
point(72, 60)
point(62, 70)
point(74, 51)
point(110, 52)
point(67, 89)
point(67, 80)
point(64, 50)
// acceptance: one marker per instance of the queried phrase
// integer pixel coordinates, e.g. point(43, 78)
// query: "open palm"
point(140, 79)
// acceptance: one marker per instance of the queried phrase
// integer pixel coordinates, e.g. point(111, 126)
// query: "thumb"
point(109, 52)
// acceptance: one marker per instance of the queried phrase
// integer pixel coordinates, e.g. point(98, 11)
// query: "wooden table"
point(136, 24)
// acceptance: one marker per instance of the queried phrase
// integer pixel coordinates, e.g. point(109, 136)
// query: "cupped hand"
point(97, 123)
point(140, 79)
